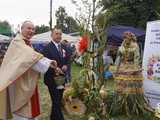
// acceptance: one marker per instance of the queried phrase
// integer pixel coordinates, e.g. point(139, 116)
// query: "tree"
point(5, 28)
point(41, 29)
point(71, 25)
point(84, 17)
point(65, 22)
point(61, 16)
point(130, 12)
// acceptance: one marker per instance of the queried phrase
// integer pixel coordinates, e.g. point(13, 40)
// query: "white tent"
point(46, 37)
point(4, 39)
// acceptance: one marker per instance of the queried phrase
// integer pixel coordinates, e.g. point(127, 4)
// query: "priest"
point(19, 75)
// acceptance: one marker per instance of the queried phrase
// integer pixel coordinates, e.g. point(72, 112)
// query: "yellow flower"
point(75, 107)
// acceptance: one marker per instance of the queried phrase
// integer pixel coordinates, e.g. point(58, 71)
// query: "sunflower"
point(75, 107)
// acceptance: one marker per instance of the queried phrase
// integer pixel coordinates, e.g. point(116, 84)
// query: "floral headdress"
point(129, 35)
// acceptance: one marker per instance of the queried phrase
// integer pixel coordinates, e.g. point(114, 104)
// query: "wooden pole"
point(50, 23)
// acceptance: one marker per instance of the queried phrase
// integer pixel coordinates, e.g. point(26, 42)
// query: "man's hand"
point(58, 71)
point(53, 64)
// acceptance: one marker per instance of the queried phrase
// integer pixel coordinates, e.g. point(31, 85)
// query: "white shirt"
point(17, 117)
point(42, 65)
point(56, 44)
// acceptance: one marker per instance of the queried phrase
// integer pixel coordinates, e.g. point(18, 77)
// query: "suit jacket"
point(51, 52)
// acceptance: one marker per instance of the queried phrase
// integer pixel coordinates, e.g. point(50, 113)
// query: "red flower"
point(83, 44)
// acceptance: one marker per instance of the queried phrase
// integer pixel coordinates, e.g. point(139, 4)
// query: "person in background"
point(107, 59)
point(19, 74)
point(70, 54)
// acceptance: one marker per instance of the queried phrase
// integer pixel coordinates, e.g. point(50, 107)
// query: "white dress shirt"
point(56, 44)
point(42, 65)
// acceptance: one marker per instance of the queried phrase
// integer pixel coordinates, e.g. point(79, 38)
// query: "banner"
point(151, 64)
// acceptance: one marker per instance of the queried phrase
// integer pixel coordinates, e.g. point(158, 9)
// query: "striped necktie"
point(60, 49)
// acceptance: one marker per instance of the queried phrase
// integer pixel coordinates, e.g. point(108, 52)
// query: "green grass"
point(44, 101)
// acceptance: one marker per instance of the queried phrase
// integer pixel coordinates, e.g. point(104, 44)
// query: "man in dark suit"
point(55, 52)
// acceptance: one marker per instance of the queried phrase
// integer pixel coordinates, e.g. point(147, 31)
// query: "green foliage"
point(71, 25)
point(61, 16)
point(130, 12)
point(5, 28)
point(41, 29)
point(65, 22)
